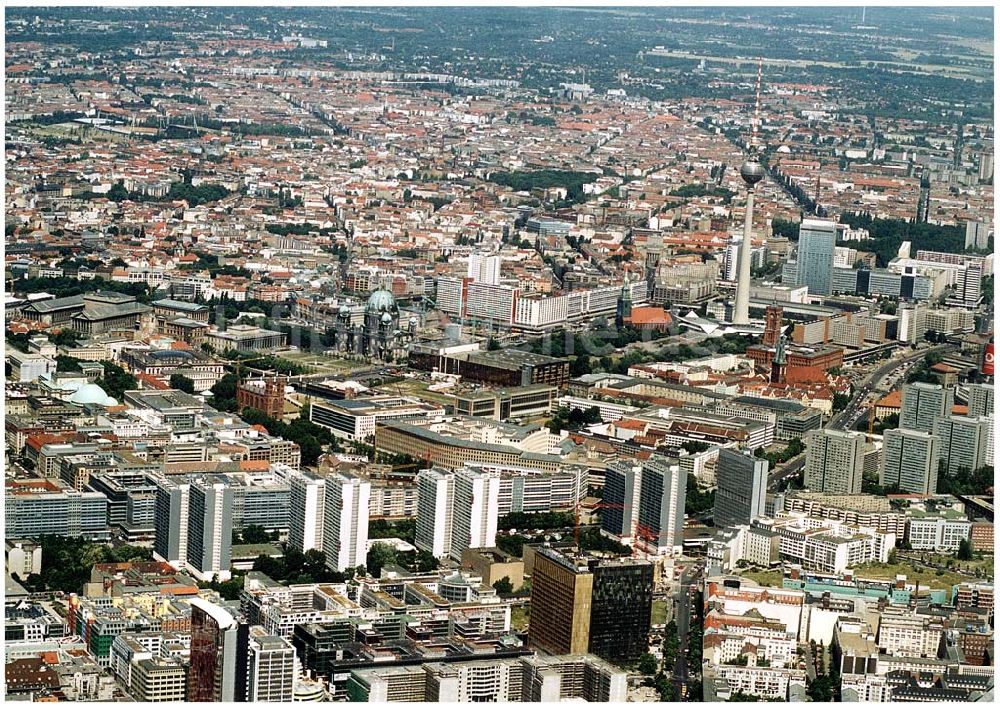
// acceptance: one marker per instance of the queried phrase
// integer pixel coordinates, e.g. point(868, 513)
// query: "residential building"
point(910, 461)
point(474, 511)
point(964, 442)
point(663, 488)
point(980, 400)
point(306, 514)
point(210, 528)
point(435, 498)
point(924, 403)
point(345, 520)
point(834, 461)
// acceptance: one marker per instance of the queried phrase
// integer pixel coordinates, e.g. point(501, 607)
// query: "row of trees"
point(565, 418)
point(792, 449)
point(537, 520)
point(382, 554)
point(68, 561)
point(310, 437)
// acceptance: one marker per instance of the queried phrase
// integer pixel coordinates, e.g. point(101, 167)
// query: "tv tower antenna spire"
point(752, 172)
point(755, 123)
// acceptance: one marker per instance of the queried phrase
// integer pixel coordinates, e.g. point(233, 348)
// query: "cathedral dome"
point(381, 301)
point(92, 394)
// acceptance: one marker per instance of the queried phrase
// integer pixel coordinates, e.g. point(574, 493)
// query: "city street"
point(845, 418)
point(681, 674)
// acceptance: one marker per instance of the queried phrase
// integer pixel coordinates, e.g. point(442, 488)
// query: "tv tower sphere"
point(752, 171)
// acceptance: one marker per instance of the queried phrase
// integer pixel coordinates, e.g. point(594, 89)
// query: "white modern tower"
point(752, 172)
point(345, 520)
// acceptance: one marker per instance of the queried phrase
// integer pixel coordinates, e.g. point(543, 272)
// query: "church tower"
point(779, 363)
point(624, 308)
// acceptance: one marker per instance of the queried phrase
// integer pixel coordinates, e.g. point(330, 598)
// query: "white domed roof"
point(92, 394)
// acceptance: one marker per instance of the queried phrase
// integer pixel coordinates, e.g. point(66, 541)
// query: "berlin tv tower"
point(752, 172)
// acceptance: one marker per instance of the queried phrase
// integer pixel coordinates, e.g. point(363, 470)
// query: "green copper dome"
point(381, 301)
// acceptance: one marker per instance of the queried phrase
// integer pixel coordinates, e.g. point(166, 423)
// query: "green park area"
point(925, 577)
point(659, 613)
point(519, 616)
point(766, 578)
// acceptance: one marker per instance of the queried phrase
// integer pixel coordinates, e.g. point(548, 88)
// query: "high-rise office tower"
point(435, 492)
point(171, 521)
point(270, 668)
point(307, 498)
point(583, 604)
point(817, 240)
point(742, 486)
point(345, 520)
point(210, 528)
point(620, 510)
point(219, 654)
point(484, 269)
point(835, 461)
point(474, 511)
point(964, 442)
point(980, 400)
point(661, 507)
point(910, 461)
point(923, 403)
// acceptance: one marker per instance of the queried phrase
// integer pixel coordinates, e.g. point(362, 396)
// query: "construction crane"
point(646, 534)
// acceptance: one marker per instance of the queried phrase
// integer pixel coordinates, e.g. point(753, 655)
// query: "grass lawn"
point(767, 578)
point(984, 563)
point(418, 389)
point(914, 574)
point(659, 613)
point(519, 617)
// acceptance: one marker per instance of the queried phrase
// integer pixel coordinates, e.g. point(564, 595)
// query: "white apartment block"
point(827, 545)
point(610, 412)
point(834, 461)
point(434, 522)
point(490, 303)
point(474, 511)
point(933, 533)
point(758, 681)
point(345, 521)
point(484, 269)
point(451, 296)
point(270, 667)
point(306, 518)
point(457, 510)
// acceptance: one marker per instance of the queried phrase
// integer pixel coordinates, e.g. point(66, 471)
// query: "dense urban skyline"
point(499, 354)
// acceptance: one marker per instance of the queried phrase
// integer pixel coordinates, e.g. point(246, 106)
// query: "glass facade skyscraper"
point(817, 239)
